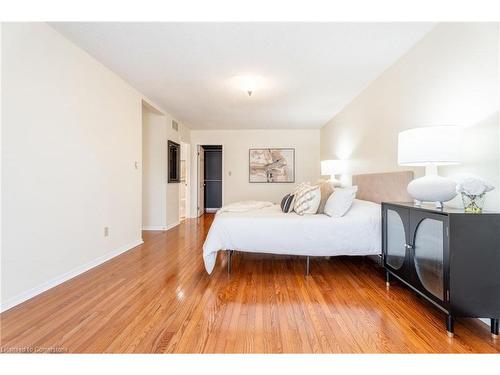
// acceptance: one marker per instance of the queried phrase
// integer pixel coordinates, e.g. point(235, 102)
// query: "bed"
point(269, 230)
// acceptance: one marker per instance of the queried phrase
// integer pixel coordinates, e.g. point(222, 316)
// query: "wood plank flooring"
point(157, 298)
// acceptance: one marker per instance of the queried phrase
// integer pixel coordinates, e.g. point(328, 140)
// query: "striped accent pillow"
point(307, 199)
point(286, 203)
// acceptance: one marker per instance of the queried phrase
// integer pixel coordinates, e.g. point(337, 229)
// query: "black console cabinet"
point(447, 256)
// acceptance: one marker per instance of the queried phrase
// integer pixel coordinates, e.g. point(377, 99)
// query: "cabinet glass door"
point(428, 255)
point(396, 240)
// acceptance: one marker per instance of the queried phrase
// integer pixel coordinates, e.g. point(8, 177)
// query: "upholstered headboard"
point(383, 187)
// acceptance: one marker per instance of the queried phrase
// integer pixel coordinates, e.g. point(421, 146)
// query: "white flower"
point(473, 186)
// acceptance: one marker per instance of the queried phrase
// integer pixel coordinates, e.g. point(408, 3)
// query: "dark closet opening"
point(213, 178)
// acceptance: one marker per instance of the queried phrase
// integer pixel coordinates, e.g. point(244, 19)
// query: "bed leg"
point(229, 260)
point(308, 266)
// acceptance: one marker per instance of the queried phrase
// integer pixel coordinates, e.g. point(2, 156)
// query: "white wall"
point(450, 77)
point(71, 138)
point(160, 199)
point(154, 170)
point(172, 189)
point(236, 144)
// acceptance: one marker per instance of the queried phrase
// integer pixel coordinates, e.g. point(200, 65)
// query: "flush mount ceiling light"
point(248, 83)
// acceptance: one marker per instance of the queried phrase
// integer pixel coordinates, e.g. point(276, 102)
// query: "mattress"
point(269, 230)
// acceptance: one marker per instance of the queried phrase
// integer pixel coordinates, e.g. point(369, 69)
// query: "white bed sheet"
point(269, 230)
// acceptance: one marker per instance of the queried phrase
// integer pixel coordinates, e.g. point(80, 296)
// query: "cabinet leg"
point(450, 327)
point(387, 279)
point(494, 328)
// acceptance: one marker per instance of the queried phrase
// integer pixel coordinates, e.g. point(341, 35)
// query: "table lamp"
point(430, 147)
point(332, 168)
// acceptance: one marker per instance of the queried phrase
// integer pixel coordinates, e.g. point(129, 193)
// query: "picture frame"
point(271, 165)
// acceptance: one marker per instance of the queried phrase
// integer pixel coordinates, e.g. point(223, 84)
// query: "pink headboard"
point(383, 187)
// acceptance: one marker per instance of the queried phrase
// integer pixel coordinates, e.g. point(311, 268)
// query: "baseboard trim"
point(33, 292)
point(170, 226)
point(154, 228)
point(173, 225)
point(211, 210)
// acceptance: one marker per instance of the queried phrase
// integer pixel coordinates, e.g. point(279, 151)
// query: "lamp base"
point(432, 188)
point(334, 181)
point(418, 203)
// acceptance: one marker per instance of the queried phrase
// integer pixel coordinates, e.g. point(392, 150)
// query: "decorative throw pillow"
point(286, 203)
point(340, 201)
point(313, 207)
point(326, 188)
point(296, 191)
point(307, 200)
point(301, 186)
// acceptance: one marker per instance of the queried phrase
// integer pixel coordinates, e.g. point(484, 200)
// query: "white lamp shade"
point(433, 145)
point(332, 167)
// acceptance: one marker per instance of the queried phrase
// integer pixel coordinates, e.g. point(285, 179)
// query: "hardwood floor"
point(157, 298)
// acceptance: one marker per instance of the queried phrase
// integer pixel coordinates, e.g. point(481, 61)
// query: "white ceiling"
point(313, 69)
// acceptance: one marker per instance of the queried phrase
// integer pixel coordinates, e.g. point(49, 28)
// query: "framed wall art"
point(272, 165)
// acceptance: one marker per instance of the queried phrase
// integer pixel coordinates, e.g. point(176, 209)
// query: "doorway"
point(210, 167)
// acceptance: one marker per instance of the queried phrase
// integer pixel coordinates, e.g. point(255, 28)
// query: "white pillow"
point(340, 201)
point(307, 200)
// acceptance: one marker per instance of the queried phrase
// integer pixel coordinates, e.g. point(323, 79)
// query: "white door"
point(201, 181)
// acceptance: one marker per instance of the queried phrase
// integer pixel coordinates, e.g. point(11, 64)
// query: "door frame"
point(199, 210)
point(187, 147)
point(198, 182)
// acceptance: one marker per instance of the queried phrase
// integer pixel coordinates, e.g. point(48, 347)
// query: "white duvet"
point(244, 206)
point(269, 230)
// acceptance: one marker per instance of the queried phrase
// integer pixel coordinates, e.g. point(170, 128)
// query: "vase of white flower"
point(473, 192)
point(473, 203)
